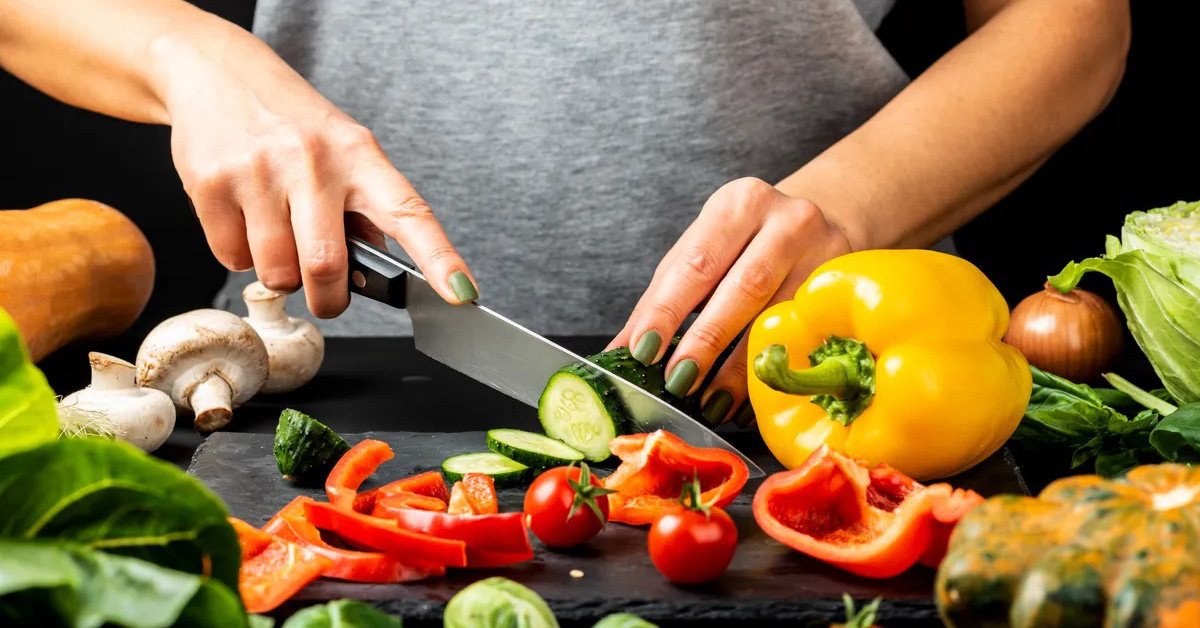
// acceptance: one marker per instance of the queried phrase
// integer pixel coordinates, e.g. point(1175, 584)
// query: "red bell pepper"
point(290, 524)
point(353, 468)
point(872, 522)
point(429, 484)
point(385, 536)
point(504, 532)
point(273, 569)
point(388, 503)
point(487, 559)
point(654, 468)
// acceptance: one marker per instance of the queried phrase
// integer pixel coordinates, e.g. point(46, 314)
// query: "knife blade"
point(496, 351)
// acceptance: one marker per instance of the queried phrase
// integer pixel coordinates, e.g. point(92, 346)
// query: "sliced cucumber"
point(503, 471)
point(306, 449)
point(580, 408)
point(533, 450)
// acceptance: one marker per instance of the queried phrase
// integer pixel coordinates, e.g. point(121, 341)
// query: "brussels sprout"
point(623, 620)
point(498, 603)
point(342, 614)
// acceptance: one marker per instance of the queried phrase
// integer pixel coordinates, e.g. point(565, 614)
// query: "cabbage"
point(498, 603)
point(1155, 266)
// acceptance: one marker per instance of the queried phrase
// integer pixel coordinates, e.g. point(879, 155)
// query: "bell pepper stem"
point(831, 377)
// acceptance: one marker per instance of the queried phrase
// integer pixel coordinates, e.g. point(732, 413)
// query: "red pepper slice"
point(459, 504)
point(290, 524)
point(353, 468)
point(872, 522)
point(430, 484)
point(504, 532)
point(385, 536)
point(487, 559)
point(481, 493)
point(654, 468)
point(388, 503)
point(273, 569)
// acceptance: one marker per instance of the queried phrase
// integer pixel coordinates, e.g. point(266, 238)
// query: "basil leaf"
point(53, 583)
point(342, 614)
point(107, 495)
point(1178, 433)
point(28, 416)
point(1063, 413)
point(1115, 463)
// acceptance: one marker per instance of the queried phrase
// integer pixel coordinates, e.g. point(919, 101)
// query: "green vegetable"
point(1155, 266)
point(28, 416)
point(580, 408)
point(503, 471)
point(47, 582)
point(342, 614)
point(533, 450)
point(306, 449)
point(623, 620)
point(498, 603)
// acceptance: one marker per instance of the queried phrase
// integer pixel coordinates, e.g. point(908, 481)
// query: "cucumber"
point(306, 449)
point(533, 450)
point(503, 471)
point(580, 408)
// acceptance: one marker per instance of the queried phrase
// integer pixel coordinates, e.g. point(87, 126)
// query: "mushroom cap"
point(184, 350)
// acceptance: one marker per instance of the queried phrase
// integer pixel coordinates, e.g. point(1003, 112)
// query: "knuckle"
point(745, 194)
point(757, 282)
point(442, 253)
point(701, 263)
point(710, 337)
point(735, 370)
point(667, 311)
point(353, 137)
point(411, 208)
point(326, 263)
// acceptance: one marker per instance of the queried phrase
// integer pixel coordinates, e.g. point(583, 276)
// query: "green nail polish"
point(745, 417)
point(680, 381)
point(461, 284)
point(717, 407)
point(647, 347)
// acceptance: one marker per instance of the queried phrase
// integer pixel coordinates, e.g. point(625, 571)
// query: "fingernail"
point(647, 347)
point(680, 381)
point(461, 284)
point(745, 417)
point(717, 407)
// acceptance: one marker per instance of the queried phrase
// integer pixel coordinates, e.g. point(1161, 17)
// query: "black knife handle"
point(376, 274)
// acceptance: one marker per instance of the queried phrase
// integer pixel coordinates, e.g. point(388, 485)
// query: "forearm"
point(972, 127)
point(104, 56)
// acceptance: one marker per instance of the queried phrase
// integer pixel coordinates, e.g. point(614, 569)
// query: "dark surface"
point(427, 413)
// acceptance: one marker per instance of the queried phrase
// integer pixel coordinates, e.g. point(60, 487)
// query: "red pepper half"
point(872, 522)
point(385, 536)
point(273, 569)
point(504, 532)
point(654, 468)
point(353, 468)
point(291, 525)
point(429, 484)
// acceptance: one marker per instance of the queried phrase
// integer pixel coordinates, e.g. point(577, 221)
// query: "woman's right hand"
point(272, 167)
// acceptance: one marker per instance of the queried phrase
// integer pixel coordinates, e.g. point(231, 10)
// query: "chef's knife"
point(487, 347)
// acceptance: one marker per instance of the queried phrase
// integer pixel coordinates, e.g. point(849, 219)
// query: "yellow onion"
point(1075, 335)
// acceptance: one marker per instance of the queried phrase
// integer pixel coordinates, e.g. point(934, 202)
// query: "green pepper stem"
point(831, 377)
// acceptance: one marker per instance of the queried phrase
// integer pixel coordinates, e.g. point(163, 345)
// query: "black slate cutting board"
point(767, 584)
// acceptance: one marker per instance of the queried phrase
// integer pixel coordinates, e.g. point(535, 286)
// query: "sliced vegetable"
point(385, 536)
point(405, 500)
point(273, 570)
point(874, 522)
point(655, 467)
point(487, 559)
point(306, 450)
point(459, 504)
point(532, 450)
point(504, 471)
point(566, 506)
point(342, 614)
point(503, 532)
point(354, 467)
point(693, 542)
point(481, 493)
point(430, 484)
point(580, 408)
point(498, 603)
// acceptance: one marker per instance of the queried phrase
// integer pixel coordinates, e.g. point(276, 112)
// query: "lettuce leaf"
point(28, 416)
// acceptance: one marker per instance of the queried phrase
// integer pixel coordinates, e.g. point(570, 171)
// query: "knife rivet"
point(359, 279)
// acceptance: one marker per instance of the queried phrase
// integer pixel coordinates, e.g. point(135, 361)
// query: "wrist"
point(842, 199)
point(182, 57)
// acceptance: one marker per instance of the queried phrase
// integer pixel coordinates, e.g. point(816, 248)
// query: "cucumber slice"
point(581, 409)
point(306, 449)
point(503, 471)
point(533, 450)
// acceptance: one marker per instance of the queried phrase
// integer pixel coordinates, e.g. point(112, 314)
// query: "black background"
point(1141, 153)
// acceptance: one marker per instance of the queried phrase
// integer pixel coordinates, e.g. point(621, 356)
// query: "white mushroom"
point(143, 417)
point(208, 361)
point(294, 345)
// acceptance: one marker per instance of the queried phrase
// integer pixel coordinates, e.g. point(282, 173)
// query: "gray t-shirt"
point(566, 146)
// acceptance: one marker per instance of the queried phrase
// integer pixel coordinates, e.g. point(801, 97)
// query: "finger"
point(361, 227)
point(389, 200)
point(272, 245)
point(317, 219)
point(224, 228)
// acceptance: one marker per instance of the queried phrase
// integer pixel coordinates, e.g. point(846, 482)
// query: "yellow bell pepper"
point(890, 356)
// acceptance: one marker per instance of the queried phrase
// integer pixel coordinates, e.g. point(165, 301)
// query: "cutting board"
point(767, 584)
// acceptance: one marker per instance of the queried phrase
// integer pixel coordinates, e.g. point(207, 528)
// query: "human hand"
point(272, 167)
point(750, 247)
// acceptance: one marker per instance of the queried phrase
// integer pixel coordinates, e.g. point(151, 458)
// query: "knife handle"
point(376, 274)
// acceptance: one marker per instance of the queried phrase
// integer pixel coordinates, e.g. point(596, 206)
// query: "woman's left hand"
point(750, 247)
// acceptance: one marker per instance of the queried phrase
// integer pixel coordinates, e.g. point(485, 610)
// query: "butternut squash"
point(72, 269)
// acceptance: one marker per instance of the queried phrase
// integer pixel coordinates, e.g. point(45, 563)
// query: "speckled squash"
point(1087, 552)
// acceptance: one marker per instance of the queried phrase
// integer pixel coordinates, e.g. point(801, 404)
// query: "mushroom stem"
point(110, 373)
point(264, 305)
point(212, 401)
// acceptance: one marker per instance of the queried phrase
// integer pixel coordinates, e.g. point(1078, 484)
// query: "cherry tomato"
point(566, 506)
point(692, 546)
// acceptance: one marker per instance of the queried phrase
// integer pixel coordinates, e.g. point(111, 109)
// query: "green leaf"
point(1115, 463)
point(1063, 413)
point(1178, 433)
point(55, 583)
point(342, 614)
point(110, 496)
point(28, 416)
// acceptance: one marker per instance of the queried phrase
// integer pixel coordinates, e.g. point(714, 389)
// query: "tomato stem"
point(586, 493)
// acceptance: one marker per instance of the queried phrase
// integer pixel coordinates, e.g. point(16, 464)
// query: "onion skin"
point(1075, 335)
